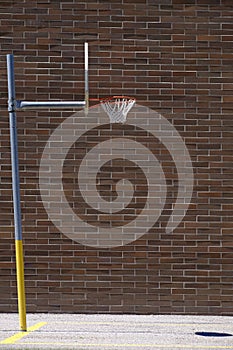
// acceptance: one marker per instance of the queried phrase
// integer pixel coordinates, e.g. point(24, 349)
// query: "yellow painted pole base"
point(20, 284)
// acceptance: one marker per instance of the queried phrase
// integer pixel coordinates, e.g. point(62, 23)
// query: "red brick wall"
point(175, 57)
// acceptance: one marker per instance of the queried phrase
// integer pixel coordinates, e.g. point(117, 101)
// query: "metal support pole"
point(16, 194)
point(86, 79)
point(13, 105)
point(49, 104)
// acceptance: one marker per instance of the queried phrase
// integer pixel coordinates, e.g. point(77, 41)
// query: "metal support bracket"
point(12, 105)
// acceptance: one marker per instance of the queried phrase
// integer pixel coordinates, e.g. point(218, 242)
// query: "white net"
point(117, 108)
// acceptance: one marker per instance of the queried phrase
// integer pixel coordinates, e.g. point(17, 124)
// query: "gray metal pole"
point(16, 194)
point(48, 104)
point(86, 79)
point(14, 147)
point(13, 105)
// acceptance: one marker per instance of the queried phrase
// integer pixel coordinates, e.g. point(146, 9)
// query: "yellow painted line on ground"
point(160, 346)
point(16, 337)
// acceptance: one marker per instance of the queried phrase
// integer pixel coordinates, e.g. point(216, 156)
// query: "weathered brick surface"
point(175, 57)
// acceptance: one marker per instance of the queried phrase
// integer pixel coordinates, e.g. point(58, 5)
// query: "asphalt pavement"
point(121, 332)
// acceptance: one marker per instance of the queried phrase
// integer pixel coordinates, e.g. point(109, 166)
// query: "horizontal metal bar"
point(49, 104)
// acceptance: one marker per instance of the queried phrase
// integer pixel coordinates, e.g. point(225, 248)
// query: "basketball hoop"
point(117, 107)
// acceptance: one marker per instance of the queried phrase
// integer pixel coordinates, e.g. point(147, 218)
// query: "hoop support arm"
point(48, 104)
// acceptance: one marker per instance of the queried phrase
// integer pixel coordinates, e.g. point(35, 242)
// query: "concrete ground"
point(121, 332)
